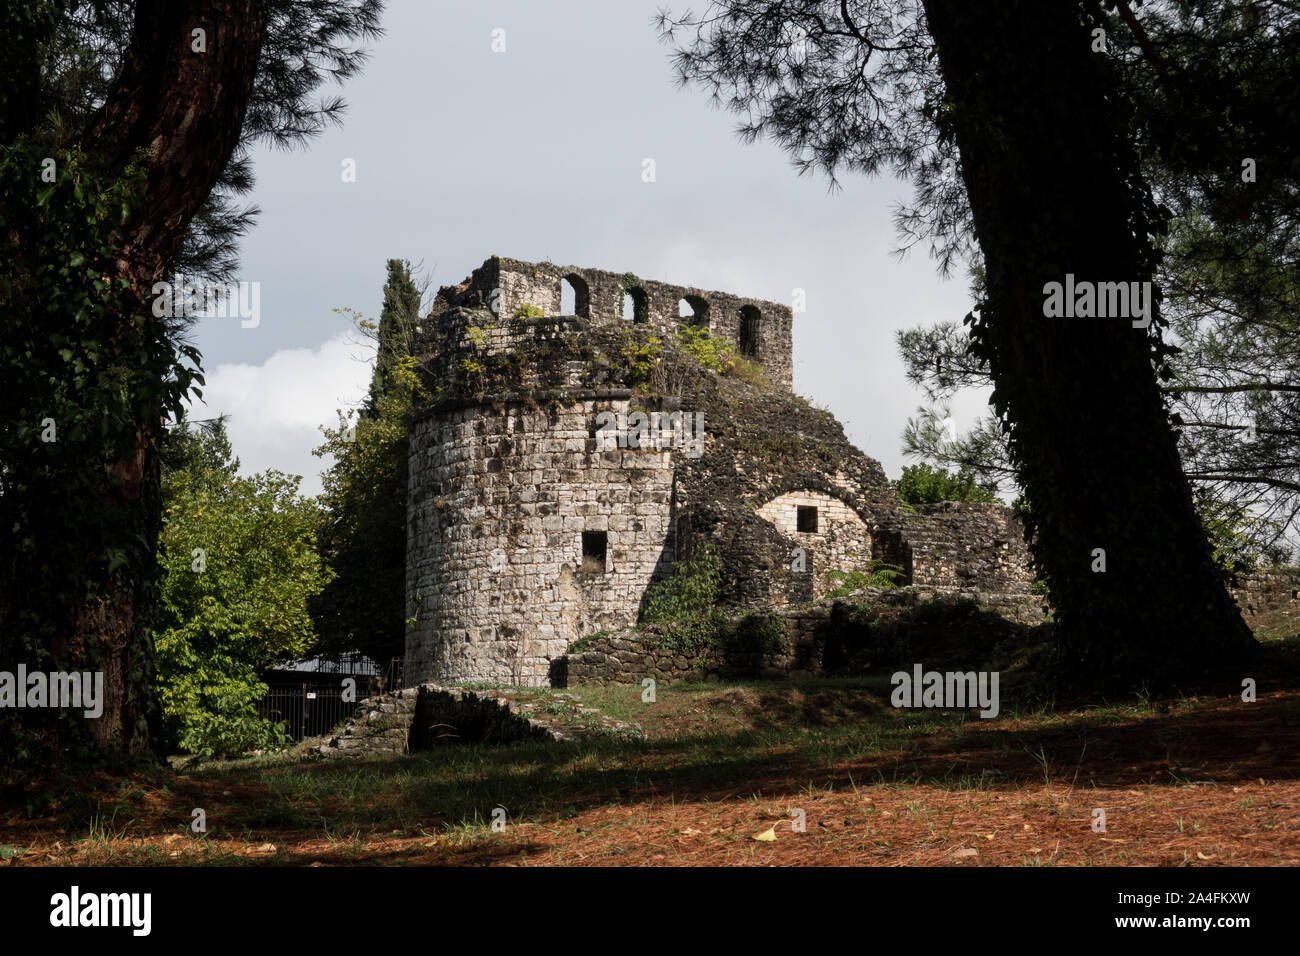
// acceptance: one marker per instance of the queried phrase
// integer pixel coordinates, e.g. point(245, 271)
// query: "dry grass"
point(1199, 782)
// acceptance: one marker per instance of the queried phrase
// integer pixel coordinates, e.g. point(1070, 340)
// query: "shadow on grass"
point(1212, 741)
point(822, 734)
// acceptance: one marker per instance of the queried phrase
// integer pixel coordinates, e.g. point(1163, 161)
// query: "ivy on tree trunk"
point(1052, 175)
point(83, 517)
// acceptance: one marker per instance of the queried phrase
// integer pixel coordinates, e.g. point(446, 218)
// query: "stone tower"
point(525, 531)
point(529, 528)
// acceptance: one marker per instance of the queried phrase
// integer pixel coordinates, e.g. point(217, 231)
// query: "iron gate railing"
point(314, 707)
point(309, 709)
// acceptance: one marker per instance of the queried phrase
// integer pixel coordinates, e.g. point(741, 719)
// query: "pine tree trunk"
point(186, 107)
point(1054, 185)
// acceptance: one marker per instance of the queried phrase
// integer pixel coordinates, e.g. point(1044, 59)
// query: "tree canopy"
point(125, 127)
point(363, 524)
point(240, 565)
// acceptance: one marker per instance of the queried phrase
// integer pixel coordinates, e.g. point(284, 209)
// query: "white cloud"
point(276, 409)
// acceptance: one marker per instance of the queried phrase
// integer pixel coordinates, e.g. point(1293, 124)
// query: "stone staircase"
point(430, 715)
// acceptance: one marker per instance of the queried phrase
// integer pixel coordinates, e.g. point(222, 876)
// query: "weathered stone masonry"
point(500, 500)
point(526, 532)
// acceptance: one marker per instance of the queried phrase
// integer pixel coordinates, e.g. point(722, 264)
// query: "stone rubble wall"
point(600, 300)
point(379, 727)
point(1266, 591)
point(629, 655)
point(428, 715)
point(959, 544)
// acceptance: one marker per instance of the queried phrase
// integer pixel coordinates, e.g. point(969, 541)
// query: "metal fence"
point(314, 706)
point(310, 709)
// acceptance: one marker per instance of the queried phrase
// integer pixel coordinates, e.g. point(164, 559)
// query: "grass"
point(720, 763)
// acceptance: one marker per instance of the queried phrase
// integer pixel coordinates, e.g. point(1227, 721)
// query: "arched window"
point(751, 321)
point(575, 298)
point(636, 305)
point(694, 310)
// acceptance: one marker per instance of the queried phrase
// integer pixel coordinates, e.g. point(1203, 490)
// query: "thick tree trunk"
point(181, 96)
point(185, 106)
point(1054, 186)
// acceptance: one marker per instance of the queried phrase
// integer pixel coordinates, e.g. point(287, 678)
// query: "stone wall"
point(957, 544)
point(1267, 591)
point(419, 718)
point(629, 655)
point(764, 445)
point(838, 538)
point(380, 727)
point(505, 285)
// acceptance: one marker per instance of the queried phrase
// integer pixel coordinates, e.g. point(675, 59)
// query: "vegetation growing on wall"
point(881, 575)
point(717, 354)
point(641, 358)
point(685, 602)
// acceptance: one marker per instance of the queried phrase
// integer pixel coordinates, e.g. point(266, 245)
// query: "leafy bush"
point(707, 349)
point(241, 565)
point(529, 311)
point(641, 358)
point(472, 369)
point(922, 485)
point(881, 575)
point(214, 713)
point(717, 354)
point(685, 602)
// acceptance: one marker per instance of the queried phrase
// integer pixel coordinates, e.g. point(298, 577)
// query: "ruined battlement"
point(761, 331)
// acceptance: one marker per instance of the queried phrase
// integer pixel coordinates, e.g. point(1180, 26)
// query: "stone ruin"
point(534, 522)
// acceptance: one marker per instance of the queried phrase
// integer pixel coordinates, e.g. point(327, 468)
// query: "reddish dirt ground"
point(1215, 784)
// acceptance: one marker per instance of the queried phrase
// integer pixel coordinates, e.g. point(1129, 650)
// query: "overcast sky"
point(536, 153)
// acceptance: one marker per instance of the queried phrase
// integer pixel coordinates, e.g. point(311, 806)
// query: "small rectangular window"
point(806, 519)
point(594, 544)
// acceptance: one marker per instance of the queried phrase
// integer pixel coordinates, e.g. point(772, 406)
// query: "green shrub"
point(471, 370)
point(220, 624)
point(641, 358)
point(880, 575)
point(684, 603)
point(754, 635)
point(717, 354)
point(529, 311)
point(215, 714)
point(707, 349)
point(921, 485)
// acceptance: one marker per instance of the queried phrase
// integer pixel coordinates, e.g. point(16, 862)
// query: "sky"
point(537, 152)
